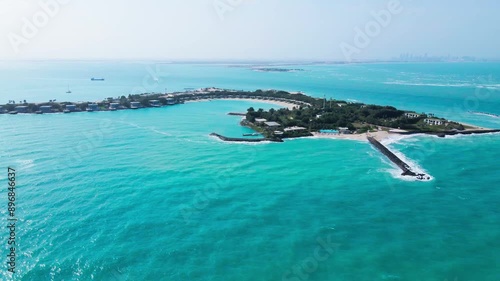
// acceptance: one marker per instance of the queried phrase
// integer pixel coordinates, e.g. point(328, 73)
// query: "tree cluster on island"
point(310, 112)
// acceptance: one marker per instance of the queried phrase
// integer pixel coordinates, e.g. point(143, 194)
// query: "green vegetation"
point(334, 114)
point(312, 114)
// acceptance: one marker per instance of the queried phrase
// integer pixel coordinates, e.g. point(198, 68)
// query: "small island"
point(302, 116)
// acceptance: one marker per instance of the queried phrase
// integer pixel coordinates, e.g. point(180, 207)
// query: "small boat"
point(97, 79)
point(90, 110)
point(68, 91)
point(13, 112)
point(38, 112)
point(66, 111)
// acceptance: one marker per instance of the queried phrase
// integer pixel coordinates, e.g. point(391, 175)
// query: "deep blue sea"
point(149, 195)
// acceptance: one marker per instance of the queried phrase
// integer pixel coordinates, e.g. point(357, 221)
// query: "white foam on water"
point(239, 142)
point(459, 136)
point(396, 171)
point(396, 138)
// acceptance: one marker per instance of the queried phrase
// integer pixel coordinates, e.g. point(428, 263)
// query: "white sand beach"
point(280, 103)
point(379, 135)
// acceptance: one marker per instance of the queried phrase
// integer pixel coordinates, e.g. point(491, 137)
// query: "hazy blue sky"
point(250, 29)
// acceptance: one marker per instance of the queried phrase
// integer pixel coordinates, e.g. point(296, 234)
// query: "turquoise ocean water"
point(148, 195)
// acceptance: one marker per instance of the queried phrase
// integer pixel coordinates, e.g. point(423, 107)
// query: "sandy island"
point(280, 103)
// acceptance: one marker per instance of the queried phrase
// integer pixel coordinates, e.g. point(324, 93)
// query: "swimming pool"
point(329, 131)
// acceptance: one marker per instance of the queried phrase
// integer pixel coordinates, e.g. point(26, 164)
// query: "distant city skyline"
point(248, 30)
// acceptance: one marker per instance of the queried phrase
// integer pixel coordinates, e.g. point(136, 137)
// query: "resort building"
point(294, 129)
point(71, 107)
point(260, 120)
point(434, 122)
point(21, 109)
point(278, 133)
point(272, 124)
point(412, 115)
point(135, 105)
point(170, 101)
point(46, 109)
point(92, 107)
point(155, 103)
point(2, 110)
point(114, 106)
point(344, 130)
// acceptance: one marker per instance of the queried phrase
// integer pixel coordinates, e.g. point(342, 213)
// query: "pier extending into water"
point(407, 171)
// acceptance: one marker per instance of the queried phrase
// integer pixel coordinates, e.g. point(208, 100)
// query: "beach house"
point(155, 103)
point(92, 107)
point(114, 106)
point(412, 115)
point(344, 130)
point(21, 109)
point(272, 124)
point(71, 107)
point(46, 108)
point(260, 120)
point(295, 129)
point(135, 105)
point(434, 122)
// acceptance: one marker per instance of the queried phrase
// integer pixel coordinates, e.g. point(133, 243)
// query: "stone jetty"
point(407, 171)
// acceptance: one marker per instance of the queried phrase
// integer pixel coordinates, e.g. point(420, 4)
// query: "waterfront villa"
point(114, 106)
point(412, 115)
point(46, 108)
point(294, 129)
point(71, 107)
point(21, 109)
point(135, 105)
point(434, 122)
point(344, 130)
point(272, 124)
point(155, 103)
point(260, 120)
point(92, 107)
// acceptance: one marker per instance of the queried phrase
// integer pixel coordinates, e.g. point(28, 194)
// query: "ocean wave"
point(392, 139)
point(457, 136)
point(239, 142)
point(458, 85)
point(485, 114)
point(396, 171)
